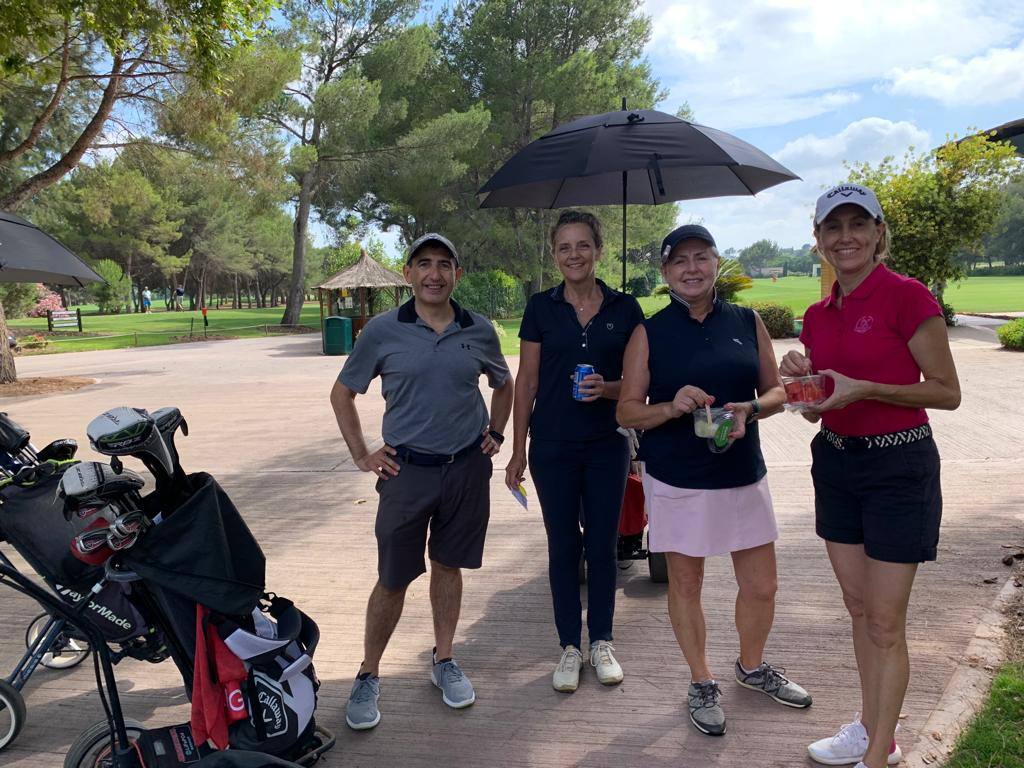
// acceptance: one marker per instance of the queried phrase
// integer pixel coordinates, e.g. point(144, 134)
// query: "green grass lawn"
point(976, 294)
point(996, 737)
point(162, 327)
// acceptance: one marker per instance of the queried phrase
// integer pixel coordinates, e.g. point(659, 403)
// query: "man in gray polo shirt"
point(435, 465)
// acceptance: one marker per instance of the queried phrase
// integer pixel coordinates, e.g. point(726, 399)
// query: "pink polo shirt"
point(867, 339)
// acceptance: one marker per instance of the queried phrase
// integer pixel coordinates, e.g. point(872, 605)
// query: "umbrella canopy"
point(663, 158)
point(638, 156)
point(29, 255)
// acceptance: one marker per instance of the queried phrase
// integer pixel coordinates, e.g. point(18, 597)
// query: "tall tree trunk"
point(17, 197)
point(296, 292)
point(8, 371)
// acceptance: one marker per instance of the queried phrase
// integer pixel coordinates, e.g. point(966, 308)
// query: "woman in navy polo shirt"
point(697, 352)
point(578, 459)
point(881, 339)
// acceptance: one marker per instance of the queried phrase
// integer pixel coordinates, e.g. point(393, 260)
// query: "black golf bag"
point(200, 560)
point(203, 561)
point(32, 521)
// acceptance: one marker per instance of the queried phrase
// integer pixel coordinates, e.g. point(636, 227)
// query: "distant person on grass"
point(147, 300)
point(435, 465)
point(179, 294)
point(881, 339)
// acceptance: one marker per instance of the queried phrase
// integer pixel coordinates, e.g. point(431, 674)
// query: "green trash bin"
point(337, 338)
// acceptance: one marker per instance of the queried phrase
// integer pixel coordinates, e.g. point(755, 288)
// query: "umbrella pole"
point(624, 231)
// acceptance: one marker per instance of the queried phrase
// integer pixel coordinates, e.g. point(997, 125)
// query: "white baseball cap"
point(847, 193)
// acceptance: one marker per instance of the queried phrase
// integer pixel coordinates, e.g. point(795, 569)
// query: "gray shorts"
point(452, 500)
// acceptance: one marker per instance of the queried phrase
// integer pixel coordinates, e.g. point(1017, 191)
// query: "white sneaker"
point(608, 670)
point(847, 747)
point(567, 673)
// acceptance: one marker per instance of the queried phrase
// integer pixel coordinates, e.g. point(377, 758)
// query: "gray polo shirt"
point(430, 381)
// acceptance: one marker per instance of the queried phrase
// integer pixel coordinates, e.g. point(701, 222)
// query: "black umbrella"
point(29, 255)
point(641, 156)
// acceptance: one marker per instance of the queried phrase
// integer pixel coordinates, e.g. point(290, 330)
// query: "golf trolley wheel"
point(12, 713)
point(658, 567)
point(66, 652)
point(92, 749)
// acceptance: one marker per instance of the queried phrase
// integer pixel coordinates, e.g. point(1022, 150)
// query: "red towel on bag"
point(633, 518)
point(217, 699)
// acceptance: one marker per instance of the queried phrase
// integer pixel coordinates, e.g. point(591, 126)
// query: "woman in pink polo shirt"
point(881, 339)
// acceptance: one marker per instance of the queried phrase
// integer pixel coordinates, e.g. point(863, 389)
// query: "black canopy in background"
point(203, 551)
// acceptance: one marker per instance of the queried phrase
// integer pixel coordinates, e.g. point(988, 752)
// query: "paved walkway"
point(261, 423)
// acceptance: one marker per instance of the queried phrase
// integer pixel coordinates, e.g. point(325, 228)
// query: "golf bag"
point(202, 562)
point(32, 521)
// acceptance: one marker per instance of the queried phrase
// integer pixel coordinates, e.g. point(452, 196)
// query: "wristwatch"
point(497, 436)
point(755, 409)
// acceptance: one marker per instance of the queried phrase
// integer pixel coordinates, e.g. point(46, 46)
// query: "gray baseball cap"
point(431, 237)
point(842, 194)
point(685, 232)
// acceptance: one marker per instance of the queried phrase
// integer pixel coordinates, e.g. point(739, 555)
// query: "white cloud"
point(747, 63)
point(783, 213)
point(993, 77)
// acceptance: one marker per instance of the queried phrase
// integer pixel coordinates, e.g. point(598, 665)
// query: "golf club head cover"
point(59, 450)
point(128, 431)
point(94, 479)
point(13, 437)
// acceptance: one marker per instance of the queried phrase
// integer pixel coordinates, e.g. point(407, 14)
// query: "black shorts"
point(888, 499)
point(452, 500)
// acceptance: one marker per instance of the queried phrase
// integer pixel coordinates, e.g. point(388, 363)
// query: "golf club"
point(89, 482)
point(133, 432)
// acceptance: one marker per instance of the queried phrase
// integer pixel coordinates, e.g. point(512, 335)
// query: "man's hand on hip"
point(380, 462)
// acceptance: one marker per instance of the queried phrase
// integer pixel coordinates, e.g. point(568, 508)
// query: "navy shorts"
point(888, 499)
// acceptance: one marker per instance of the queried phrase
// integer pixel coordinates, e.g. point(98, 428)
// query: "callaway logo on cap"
point(848, 193)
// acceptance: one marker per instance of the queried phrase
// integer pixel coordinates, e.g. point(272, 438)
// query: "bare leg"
point(446, 602)
point(755, 601)
point(685, 580)
point(850, 564)
point(383, 611)
point(886, 597)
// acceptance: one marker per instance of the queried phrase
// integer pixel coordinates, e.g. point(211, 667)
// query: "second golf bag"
point(206, 571)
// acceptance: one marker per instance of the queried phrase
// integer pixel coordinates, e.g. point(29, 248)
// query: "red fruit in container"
point(794, 390)
point(813, 392)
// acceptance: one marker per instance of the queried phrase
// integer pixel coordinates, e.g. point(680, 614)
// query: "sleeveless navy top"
point(720, 356)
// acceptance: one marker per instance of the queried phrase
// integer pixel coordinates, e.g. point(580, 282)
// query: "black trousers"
point(581, 482)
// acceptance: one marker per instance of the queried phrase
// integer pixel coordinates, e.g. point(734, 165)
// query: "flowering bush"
point(50, 301)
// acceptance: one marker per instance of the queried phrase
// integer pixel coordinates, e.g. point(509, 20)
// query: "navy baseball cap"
point(431, 238)
point(842, 194)
point(685, 232)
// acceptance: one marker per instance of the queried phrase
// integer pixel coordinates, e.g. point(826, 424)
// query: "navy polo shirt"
point(718, 355)
point(551, 321)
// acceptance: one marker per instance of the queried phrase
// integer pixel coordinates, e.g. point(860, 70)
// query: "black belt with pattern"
point(890, 440)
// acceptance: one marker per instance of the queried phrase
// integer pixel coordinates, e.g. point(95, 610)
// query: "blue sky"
point(815, 84)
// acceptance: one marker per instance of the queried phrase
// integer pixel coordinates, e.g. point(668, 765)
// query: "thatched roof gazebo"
point(352, 291)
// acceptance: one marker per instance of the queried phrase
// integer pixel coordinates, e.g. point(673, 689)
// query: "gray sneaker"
point(361, 712)
point(456, 690)
point(705, 711)
point(771, 681)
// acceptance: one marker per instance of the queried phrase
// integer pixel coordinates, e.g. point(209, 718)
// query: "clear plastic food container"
point(717, 430)
point(804, 391)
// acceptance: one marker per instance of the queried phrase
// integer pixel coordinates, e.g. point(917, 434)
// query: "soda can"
point(582, 371)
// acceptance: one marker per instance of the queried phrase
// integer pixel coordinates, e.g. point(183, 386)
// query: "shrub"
point(948, 314)
point(778, 319)
point(493, 293)
point(34, 341)
point(50, 302)
point(19, 298)
point(1012, 334)
point(114, 294)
